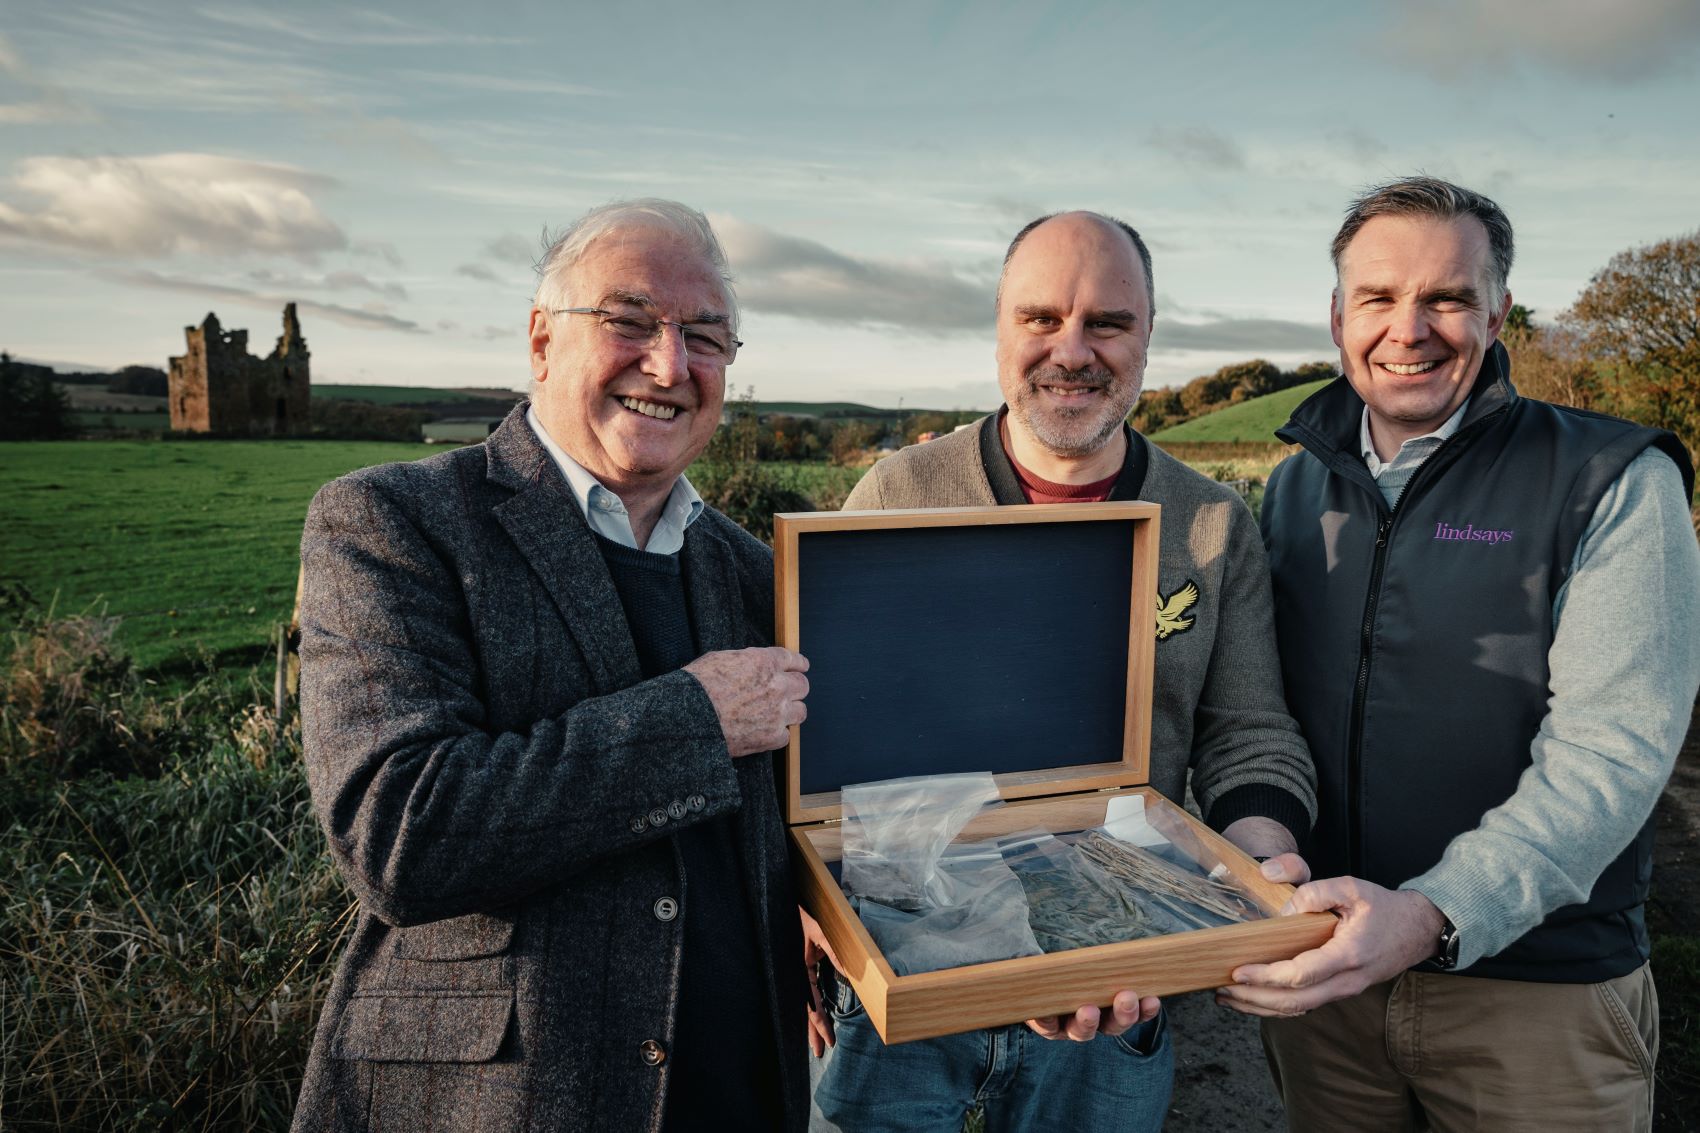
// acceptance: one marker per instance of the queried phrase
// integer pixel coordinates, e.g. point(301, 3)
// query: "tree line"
point(1232, 384)
point(1629, 345)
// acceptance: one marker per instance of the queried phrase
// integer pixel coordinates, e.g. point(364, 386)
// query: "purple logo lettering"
point(1470, 533)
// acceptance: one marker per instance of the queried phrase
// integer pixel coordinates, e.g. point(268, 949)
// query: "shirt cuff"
point(1261, 800)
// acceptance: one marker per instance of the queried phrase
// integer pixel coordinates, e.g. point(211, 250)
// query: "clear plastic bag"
point(930, 904)
point(980, 916)
point(895, 832)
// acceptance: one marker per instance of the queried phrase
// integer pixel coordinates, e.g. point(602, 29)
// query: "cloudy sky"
point(390, 167)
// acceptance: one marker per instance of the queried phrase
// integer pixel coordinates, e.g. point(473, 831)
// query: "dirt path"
point(1221, 1081)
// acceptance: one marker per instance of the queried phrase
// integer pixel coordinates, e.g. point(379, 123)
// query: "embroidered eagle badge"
point(1171, 610)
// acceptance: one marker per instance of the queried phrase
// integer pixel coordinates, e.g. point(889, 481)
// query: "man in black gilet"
point(1488, 610)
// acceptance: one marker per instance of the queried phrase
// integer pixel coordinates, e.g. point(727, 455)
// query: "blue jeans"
point(1021, 1080)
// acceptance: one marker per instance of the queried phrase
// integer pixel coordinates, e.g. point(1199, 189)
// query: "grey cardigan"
point(1217, 705)
point(499, 786)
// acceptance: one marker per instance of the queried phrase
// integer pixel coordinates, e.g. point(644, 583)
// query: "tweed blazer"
point(500, 786)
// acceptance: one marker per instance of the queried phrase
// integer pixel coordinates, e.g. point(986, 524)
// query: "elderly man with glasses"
point(537, 706)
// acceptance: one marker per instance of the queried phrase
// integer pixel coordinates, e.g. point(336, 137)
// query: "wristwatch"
point(1446, 959)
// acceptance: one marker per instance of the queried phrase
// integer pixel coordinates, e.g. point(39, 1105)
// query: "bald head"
point(1074, 319)
point(1125, 230)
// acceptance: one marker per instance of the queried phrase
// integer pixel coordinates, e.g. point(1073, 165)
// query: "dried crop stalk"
point(1170, 887)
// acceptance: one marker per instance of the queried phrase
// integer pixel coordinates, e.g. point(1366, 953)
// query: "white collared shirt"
point(1392, 477)
point(606, 512)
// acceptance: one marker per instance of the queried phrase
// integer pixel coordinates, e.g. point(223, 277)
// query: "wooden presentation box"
point(1018, 640)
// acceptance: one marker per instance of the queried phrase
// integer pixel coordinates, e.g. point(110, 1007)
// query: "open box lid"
point(1016, 639)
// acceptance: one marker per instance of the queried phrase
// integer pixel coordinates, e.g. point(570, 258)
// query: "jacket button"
point(658, 817)
point(677, 809)
point(666, 909)
point(639, 825)
point(652, 1052)
point(696, 803)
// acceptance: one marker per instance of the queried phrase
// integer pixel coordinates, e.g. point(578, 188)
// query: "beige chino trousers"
point(1429, 1051)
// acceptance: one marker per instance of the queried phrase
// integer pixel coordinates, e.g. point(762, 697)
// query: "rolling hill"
point(1253, 421)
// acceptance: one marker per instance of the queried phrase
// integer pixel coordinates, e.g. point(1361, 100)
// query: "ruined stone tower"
point(218, 387)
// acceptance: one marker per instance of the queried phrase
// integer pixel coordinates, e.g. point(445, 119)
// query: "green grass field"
point(192, 543)
point(94, 421)
point(406, 395)
point(1249, 421)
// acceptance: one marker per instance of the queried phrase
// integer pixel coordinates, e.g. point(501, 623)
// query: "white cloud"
point(340, 121)
point(514, 249)
point(1199, 146)
point(163, 204)
point(479, 272)
point(44, 110)
point(343, 280)
point(377, 249)
point(790, 275)
point(916, 396)
point(1625, 41)
point(50, 104)
point(374, 319)
point(503, 84)
point(1254, 335)
point(354, 27)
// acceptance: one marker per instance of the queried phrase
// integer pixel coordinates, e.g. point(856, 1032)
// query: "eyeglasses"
point(700, 342)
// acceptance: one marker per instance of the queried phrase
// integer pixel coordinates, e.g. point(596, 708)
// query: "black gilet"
point(1414, 640)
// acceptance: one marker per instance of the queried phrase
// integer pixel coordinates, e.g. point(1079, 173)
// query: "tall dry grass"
point(167, 912)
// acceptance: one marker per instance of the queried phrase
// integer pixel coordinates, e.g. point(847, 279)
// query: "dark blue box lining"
point(938, 650)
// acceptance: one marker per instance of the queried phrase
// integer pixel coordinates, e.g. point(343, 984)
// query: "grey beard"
point(1056, 440)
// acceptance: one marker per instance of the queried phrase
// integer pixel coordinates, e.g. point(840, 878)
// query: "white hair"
point(568, 248)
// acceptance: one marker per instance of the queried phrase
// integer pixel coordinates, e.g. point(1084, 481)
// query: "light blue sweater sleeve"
point(1624, 666)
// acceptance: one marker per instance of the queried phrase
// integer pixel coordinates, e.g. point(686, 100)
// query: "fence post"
point(280, 697)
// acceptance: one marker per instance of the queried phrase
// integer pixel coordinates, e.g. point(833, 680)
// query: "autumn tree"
point(1639, 321)
point(850, 442)
point(1547, 362)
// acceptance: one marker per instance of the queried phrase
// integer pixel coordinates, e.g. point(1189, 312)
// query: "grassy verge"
point(193, 544)
point(1676, 966)
point(169, 916)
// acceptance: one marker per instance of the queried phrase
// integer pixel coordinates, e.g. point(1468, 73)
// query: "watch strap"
point(1446, 960)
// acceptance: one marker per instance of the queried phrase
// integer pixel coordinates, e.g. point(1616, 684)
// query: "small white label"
point(1124, 818)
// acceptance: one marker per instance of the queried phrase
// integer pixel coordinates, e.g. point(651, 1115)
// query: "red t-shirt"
point(1042, 491)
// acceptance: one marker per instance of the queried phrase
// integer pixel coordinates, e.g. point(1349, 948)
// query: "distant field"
point(89, 398)
point(409, 395)
point(823, 409)
point(137, 422)
point(193, 543)
point(1251, 421)
point(457, 432)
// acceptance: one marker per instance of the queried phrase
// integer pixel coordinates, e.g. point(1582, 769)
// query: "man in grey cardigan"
point(1074, 314)
point(537, 705)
